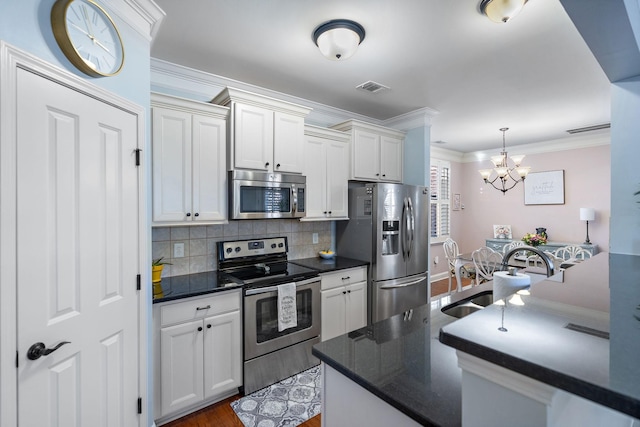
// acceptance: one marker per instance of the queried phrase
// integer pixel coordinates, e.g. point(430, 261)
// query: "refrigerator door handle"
point(411, 283)
point(403, 231)
point(410, 227)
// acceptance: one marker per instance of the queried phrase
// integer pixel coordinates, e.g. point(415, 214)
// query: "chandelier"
point(506, 176)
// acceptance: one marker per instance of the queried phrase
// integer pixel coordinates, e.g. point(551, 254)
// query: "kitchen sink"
point(467, 306)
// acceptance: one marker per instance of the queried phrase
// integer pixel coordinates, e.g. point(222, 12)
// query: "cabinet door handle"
point(278, 166)
point(344, 292)
point(266, 165)
point(349, 291)
point(377, 174)
point(207, 307)
point(209, 326)
point(196, 214)
point(384, 174)
point(199, 328)
point(329, 212)
point(188, 213)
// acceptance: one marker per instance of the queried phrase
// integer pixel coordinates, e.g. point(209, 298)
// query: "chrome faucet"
point(544, 257)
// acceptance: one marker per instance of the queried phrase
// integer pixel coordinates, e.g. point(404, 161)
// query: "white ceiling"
point(533, 74)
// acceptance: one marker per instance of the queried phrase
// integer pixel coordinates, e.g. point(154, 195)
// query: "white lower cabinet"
point(343, 298)
point(198, 353)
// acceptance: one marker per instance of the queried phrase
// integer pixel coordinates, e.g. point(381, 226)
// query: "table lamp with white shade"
point(587, 214)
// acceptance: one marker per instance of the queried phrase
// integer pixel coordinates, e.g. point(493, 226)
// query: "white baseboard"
point(439, 276)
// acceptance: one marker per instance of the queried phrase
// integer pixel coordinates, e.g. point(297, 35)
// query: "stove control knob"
point(229, 250)
point(280, 245)
point(273, 246)
point(237, 248)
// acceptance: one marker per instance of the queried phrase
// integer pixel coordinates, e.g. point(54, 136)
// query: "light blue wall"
point(625, 174)
point(26, 25)
point(416, 156)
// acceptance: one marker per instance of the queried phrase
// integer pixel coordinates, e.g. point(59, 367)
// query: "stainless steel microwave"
point(265, 195)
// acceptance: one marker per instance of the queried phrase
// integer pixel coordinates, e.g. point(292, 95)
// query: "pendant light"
point(509, 175)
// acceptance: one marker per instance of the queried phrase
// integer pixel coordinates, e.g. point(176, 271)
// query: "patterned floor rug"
point(288, 403)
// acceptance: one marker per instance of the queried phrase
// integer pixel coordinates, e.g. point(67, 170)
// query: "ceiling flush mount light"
point(508, 175)
point(501, 11)
point(338, 39)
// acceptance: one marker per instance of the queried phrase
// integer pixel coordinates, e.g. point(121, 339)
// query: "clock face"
point(90, 39)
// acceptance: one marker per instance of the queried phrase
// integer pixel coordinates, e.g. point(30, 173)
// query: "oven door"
point(261, 334)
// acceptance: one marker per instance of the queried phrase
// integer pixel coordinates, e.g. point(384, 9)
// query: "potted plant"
point(156, 269)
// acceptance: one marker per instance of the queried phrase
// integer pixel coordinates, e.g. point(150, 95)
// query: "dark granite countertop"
point(581, 335)
point(328, 265)
point(190, 285)
point(402, 362)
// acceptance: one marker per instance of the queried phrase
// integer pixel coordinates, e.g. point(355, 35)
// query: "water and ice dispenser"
point(390, 237)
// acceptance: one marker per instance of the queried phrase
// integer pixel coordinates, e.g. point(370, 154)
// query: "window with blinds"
point(440, 186)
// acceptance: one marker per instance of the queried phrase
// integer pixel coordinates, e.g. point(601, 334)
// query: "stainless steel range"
point(261, 265)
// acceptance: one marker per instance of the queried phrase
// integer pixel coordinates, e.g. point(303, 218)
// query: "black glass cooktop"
point(265, 274)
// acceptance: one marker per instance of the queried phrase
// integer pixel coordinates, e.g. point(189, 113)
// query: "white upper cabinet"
point(188, 161)
point(377, 152)
point(266, 134)
point(326, 167)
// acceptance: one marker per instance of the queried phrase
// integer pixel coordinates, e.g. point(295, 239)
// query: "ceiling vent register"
point(589, 128)
point(372, 87)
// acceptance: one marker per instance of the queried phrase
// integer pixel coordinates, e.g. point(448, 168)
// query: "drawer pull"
point(203, 308)
point(346, 278)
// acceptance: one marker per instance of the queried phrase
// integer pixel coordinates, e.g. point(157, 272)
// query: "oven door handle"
point(268, 289)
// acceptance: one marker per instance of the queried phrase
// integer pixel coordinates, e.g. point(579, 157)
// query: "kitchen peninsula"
point(568, 357)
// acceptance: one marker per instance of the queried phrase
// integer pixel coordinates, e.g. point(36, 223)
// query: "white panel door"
point(391, 153)
point(315, 170)
point(208, 168)
point(253, 137)
point(222, 354)
point(171, 165)
point(288, 142)
point(181, 366)
point(333, 308)
point(366, 155)
point(337, 155)
point(356, 313)
point(77, 258)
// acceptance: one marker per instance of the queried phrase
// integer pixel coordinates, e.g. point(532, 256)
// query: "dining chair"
point(486, 261)
point(515, 244)
point(451, 251)
point(571, 253)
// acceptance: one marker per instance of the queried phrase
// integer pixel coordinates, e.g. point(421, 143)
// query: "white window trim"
point(440, 164)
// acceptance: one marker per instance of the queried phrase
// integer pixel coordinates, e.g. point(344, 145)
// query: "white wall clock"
point(88, 37)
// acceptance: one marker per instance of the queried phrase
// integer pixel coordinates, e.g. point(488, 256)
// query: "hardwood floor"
point(221, 414)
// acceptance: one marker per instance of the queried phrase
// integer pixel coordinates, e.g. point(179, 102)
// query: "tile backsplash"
point(200, 252)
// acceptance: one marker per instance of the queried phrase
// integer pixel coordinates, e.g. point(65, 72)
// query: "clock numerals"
point(95, 42)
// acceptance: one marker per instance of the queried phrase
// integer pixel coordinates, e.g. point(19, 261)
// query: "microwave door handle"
point(294, 204)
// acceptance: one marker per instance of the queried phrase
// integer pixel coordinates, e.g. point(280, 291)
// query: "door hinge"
point(139, 405)
point(138, 151)
point(138, 282)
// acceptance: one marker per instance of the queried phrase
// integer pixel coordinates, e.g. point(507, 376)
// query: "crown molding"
point(144, 16)
point(572, 142)
point(414, 119)
point(446, 154)
point(167, 77)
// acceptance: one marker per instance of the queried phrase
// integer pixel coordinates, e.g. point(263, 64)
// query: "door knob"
point(39, 349)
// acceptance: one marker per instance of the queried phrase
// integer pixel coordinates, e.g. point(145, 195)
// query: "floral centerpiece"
point(534, 240)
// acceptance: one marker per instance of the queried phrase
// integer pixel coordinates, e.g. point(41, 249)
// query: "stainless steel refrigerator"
point(389, 228)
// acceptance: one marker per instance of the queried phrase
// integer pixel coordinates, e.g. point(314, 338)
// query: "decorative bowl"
point(327, 255)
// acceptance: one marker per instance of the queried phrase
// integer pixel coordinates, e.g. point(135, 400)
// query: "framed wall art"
point(502, 232)
point(544, 188)
point(456, 202)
